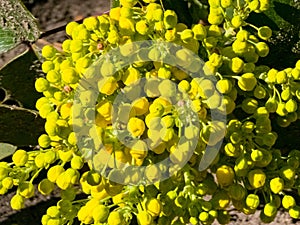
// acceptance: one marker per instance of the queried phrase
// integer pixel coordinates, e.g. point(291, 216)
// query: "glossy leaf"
point(7, 39)
point(20, 126)
point(18, 77)
point(283, 17)
point(17, 24)
point(6, 150)
point(181, 9)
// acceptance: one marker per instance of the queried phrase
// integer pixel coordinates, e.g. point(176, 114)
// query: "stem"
point(247, 118)
point(13, 107)
point(253, 26)
point(111, 206)
point(206, 49)
point(114, 154)
point(35, 175)
point(238, 4)
point(105, 199)
point(141, 205)
point(277, 93)
point(219, 75)
point(265, 197)
point(236, 77)
point(271, 197)
point(224, 15)
point(256, 145)
point(141, 5)
point(80, 201)
point(162, 5)
point(259, 137)
point(251, 42)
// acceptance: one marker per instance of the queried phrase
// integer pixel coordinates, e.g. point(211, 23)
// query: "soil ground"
point(56, 13)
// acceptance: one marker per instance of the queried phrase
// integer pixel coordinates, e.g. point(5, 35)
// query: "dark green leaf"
point(283, 18)
point(287, 12)
point(21, 24)
point(2, 94)
point(284, 13)
point(115, 3)
point(18, 78)
point(7, 39)
point(181, 8)
point(6, 150)
point(20, 126)
point(281, 14)
point(198, 11)
point(261, 19)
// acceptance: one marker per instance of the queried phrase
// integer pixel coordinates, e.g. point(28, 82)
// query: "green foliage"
point(19, 126)
point(7, 39)
point(283, 18)
point(20, 123)
point(17, 79)
point(278, 13)
point(115, 3)
point(22, 26)
point(6, 150)
point(189, 12)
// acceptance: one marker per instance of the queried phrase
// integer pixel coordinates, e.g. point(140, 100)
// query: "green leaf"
point(7, 39)
point(282, 14)
point(6, 150)
point(17, 24)
point(20, 126)
point(115, 3)
point(18, 77)
point(181, 9)
point(283, 17)
point(198, 11)
point(262, 19)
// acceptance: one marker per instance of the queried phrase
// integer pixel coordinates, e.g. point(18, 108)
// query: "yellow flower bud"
point(136, 126)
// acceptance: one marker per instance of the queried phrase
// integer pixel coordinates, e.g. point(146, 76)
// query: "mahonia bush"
point(248, 172)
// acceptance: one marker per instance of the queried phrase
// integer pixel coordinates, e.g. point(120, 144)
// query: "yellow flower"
point(107, 85)
point(225, 175)
point(136, 126)
point(114, 13)
point(153, 207)
point(257, 178)
point(130, 76)
point(104, 108)
point(141, 106)
point(65, 110)
point(139, 150)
